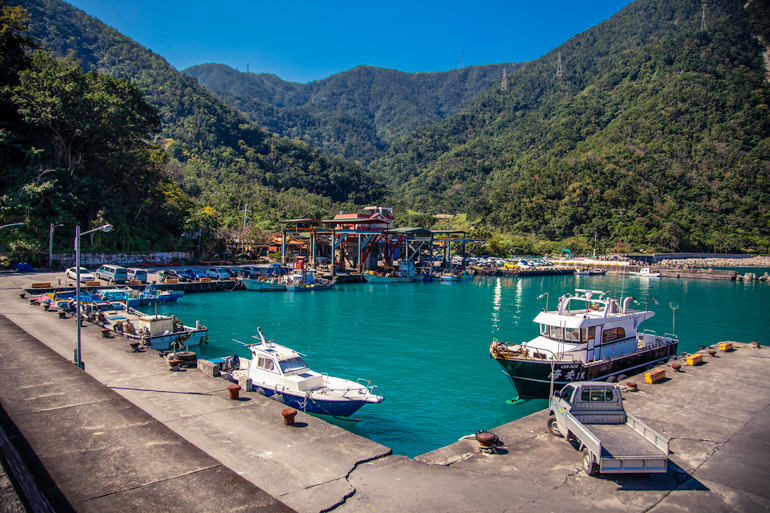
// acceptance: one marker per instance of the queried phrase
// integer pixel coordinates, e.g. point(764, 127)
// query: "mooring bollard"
point(754, 345)
point(234, 390)
point(23, 295)
point(676, 366)
point(487, 442)
point(632, 386)
point(134, 345)
point(288, 416)
point(173, 365)
point(712, 352)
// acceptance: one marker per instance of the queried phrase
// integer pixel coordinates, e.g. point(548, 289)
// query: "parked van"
point(137, 275)
point(112, 273)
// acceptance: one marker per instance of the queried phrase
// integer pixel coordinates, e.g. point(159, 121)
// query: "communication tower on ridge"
point(462, 60)
point(504, 85)
point(703, 17)
point(558, 67)
point(247, 67)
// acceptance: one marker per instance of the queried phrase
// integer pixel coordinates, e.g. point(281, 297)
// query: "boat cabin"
point(589, 326)
point(273, 363)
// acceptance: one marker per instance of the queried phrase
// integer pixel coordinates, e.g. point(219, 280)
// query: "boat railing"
point(370, 389)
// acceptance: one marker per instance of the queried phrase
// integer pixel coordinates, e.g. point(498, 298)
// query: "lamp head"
point(106, 228)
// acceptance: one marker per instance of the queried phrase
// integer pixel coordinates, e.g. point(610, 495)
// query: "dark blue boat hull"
point(334, 408)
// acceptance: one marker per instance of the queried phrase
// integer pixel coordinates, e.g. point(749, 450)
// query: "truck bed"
point(621, 441)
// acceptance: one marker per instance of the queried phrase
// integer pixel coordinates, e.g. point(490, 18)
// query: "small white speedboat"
point(281, 374)
point(645, 272)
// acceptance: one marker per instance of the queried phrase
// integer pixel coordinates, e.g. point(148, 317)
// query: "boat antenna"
point(616, 272)
point(673, 305)
point(261, 336)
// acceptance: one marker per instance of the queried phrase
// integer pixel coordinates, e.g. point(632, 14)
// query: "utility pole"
point(558, 67)
point(504, 86)
point(50, 243)
point(245, 211)
point(703, 17)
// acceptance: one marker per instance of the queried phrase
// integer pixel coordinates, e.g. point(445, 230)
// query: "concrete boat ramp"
point(128, 435)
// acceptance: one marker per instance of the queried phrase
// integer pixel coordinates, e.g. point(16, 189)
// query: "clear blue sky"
point(303, 41)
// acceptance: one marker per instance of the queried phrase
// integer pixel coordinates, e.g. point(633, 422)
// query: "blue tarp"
point(23, 268)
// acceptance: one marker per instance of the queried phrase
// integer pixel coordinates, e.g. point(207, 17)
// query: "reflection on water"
point(496, 300)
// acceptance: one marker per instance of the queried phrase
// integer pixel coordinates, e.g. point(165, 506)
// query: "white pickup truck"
point(612, 440)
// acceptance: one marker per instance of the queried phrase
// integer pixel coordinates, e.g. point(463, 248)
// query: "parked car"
point(195, 273)
point(232, 272)
point(249, 272)
point(112, 273)
point(137, 275)
point(85, 275)
point(217, 273)
point(173, 274)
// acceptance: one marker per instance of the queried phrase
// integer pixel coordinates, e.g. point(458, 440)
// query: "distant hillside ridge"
point(657, 132)
point(356, 114)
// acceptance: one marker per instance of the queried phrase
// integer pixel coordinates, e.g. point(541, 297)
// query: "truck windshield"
point(292, 364)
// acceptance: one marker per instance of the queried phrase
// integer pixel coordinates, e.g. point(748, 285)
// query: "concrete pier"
point(200, 441)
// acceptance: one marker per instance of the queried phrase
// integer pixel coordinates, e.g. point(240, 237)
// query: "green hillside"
point(215, 151)
point(657, 132)
point(356, 114)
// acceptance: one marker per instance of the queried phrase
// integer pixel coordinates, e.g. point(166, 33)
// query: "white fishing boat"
point(589, 337)
point(404, 273)
point(262, 284)
point(645, 272)
point(280, 373)
point(160, 332)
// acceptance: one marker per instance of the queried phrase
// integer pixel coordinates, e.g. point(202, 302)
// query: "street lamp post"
point(12, 224)
point(105, 228)
point(50, 244)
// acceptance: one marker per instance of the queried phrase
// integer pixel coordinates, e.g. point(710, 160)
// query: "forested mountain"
point(216, 154)
point(355, 114)
point(657, 132)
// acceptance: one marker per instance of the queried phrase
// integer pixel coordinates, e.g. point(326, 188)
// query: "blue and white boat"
point(120, 295)
point(281, 374)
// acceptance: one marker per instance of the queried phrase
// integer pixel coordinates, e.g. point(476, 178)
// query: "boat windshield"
point(292, 364)
point(575, 335)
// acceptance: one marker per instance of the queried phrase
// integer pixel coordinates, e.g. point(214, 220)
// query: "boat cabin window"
point(578, 335)
point(292, 364)
point(566, 394)
point(266, 363)
point(613, 334)
point(594, 395)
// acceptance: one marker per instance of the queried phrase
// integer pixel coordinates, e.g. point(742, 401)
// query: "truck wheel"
point(552, 426)
point(589, 465)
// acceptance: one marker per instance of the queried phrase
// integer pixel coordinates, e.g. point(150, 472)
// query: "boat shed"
point(360, 242)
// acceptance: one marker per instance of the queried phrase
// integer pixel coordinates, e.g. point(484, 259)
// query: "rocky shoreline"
point(689, 263)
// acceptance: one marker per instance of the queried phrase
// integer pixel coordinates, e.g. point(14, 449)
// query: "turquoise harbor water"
point(426, 344)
